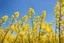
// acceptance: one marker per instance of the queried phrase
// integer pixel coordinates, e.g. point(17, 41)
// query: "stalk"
point(60, 26)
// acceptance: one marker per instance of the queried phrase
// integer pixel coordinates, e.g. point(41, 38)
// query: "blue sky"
point(8, 7)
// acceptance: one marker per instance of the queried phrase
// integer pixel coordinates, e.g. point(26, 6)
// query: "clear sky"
point(8, 7)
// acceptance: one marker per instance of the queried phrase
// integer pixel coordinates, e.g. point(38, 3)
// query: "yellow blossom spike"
point(25, 18)
point(31, 12)
point(35, 26)
point(16, 14)
point(38, 17)
point(26, 27)
point(43, 26)
point(57, 7)
point(5, 17)
point(57, 4)
point(43, 14)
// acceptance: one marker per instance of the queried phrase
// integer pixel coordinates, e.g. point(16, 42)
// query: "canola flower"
point(26, 27)
point(48, 29)
point(16, 14)
point(43, 14)
point(35, 26)
point(25, 18)
point(62, 22)
point(43, 26)
point(12, 27)
point(38, 18)
point(31, 12)
point(22, 33)
point(59, 13)
point(4, 18)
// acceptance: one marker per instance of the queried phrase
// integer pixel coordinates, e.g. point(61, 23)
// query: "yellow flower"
point(6, 41)
point(25, 18)
point(43, 14)
point(57, 16)
point(25, 37)
point(11, 38)
point(62, 22)
point(61, 1)
point(57, 6)
point(22, 33)
point(16, 14)
point(26, 27)
point(43, 38)
point(12, 27)
point(62, 9)
point(35, 26)
point(39, 18)
point(43, 26)
point(31, 36)
point(48, 29)
point(5, 17)
point(30, 12)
